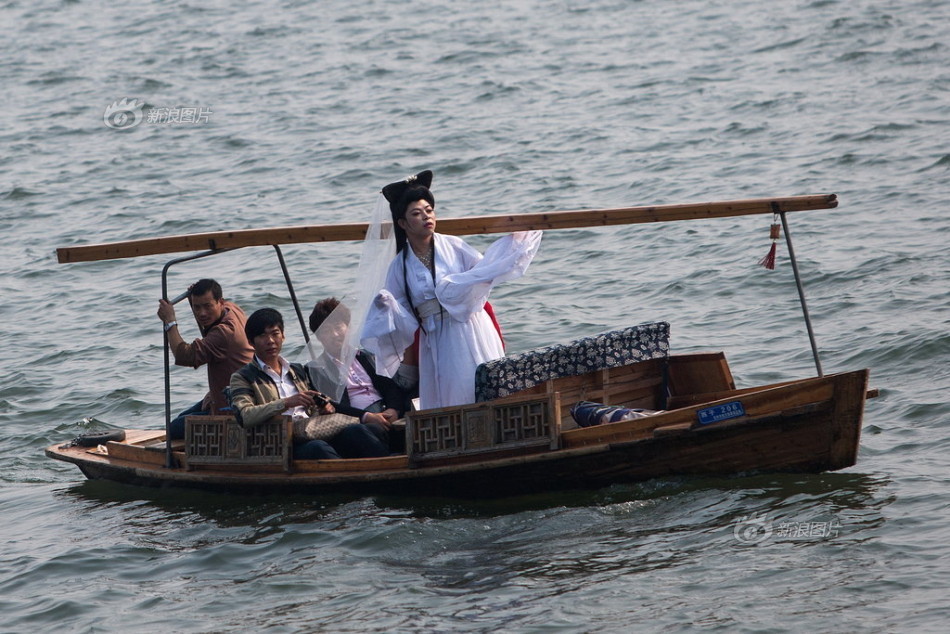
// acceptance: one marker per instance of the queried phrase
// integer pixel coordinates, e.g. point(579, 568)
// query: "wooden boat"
point(521, 436)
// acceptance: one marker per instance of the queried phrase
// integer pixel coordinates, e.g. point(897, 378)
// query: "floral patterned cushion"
point(505, 376)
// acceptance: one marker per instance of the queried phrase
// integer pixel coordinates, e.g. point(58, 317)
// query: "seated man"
point(223, 346)
point(269, 386)
point(375, 399)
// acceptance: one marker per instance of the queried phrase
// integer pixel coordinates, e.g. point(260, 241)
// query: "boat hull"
point(814, 426)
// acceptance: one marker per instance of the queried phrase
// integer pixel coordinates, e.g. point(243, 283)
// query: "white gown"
point(456, 339)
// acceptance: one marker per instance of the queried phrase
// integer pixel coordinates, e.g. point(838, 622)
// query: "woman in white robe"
point(439, 285)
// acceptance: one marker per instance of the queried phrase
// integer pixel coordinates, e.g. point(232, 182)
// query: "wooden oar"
point(456, 226)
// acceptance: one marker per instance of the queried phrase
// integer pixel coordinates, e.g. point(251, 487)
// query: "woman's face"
point(419, 221)
point(333, 336)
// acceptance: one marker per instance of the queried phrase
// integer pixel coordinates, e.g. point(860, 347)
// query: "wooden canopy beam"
point(455, 226)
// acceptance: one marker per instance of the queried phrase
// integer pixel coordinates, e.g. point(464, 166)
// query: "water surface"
point(304, 110)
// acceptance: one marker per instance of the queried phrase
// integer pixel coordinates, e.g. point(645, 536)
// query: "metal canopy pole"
point(293, 295)
point(801, 292)
point(169, 462)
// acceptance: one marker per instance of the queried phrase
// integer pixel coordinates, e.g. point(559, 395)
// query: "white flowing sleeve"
point(390, 325)
point(463, 294)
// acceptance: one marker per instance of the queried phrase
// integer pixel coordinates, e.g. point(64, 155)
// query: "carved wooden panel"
point(213, 440)
point(501, 425)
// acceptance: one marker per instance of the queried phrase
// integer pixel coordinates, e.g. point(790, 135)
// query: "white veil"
point(379, 248)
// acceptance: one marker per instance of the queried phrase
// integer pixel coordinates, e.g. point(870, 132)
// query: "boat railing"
point(507, 426)
point(221, 441)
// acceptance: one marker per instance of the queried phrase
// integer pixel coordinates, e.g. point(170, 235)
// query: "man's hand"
point(166, 311)
point(300, 399)
point(379, 419)
point(308, 399)
point(180, 349)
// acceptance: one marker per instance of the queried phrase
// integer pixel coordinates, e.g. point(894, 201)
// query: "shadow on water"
point(847, 490)
point(623, 530)
point(225, 509)
point(842, 491)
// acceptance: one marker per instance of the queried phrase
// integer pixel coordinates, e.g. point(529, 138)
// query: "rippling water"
point(302, 111)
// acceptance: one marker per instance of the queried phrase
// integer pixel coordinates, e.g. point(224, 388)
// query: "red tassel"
point(769, 260)
point(774, 232)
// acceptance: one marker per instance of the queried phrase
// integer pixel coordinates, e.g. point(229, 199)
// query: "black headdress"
point(394, 191)
point(401, 193)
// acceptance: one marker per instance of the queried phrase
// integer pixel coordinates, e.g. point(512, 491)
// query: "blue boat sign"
point(717, 413)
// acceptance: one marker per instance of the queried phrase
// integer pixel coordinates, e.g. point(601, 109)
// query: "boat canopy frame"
point(223, 241)
point(169, 456)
